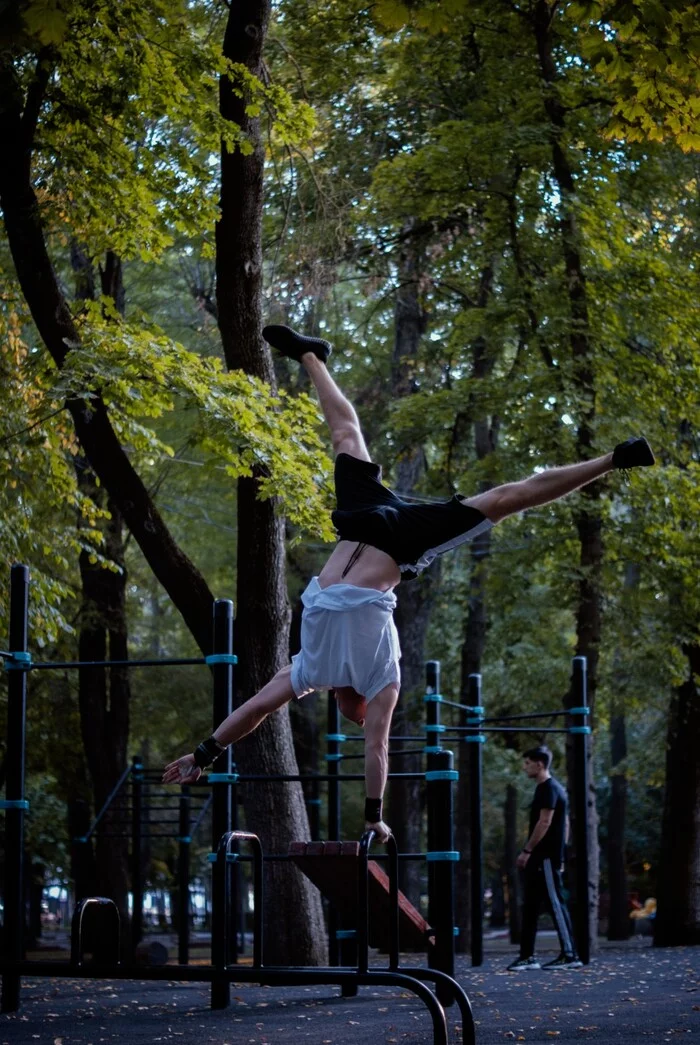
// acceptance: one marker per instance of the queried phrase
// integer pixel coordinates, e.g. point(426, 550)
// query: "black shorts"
point(412, 534)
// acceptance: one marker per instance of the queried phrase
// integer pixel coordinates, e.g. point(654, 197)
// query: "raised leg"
point(541, 488)
point(338, 411)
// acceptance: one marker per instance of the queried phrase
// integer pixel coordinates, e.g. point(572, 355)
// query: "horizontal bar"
point(502, 729)
point(533, 714)
point(48, 665)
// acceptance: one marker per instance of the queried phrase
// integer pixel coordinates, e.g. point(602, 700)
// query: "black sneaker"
point(564, 962)
point(294, 345)
point(633, 453)
point(524, 963)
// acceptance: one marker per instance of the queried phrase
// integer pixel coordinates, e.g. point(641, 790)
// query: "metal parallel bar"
point(222, 794)
point(475, 761)
point(136, 852)
point(363, 902)
point(514, 718)
point(499, 729)
point(411, 751)
point(580, 751)
point(275, 976)
point(246, 778)
point(14, 788)
point(202, 813)
point(392, 856)
point(117, 787)
point(334, 816)
point(64, 665)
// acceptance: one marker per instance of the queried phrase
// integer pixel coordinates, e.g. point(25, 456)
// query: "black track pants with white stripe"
point(544, 888)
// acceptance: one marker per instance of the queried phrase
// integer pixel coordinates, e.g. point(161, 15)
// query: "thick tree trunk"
point(52, 316)
point(678, 889)
point(276, 812)
point(414, 601)
point(485, 441)
point(589, 519)
point(103, 697)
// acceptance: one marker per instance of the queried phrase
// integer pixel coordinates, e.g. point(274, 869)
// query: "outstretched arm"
point(239, 723)
point(377, 727)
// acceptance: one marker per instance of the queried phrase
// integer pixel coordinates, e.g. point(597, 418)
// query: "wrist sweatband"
point(528, 851)
point(373, 810)
point(208, 752)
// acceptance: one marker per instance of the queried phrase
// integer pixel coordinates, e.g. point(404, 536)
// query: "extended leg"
point(540, 488)
point(338, 411)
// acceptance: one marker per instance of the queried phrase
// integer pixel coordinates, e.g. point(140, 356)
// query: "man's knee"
point(347, 439)
point(498, 503)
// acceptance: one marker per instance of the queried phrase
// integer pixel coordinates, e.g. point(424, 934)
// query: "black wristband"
point(528, 851)
point(208, 752)
point(373, 810)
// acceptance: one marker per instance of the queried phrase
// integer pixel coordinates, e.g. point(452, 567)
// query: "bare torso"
point(373, 569)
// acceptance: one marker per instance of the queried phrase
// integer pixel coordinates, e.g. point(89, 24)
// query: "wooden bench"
point(333, 868)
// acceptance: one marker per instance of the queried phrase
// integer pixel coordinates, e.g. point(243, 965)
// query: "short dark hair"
point(540, 754)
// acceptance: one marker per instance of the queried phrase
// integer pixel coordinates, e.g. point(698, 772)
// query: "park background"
point(491, 210)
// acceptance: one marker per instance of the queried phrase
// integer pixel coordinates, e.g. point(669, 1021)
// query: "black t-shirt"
point(550, 795)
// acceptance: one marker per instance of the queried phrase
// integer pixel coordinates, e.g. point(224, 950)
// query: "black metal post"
point(440, 779)
point(333, 763)
point(580, 732)
point(222, 674)
point(136, 851)
point(15, 803)
point(432, 747)
point(475, 740)
point(183, 878)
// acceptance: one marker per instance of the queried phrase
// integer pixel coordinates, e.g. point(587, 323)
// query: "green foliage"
point(140, 373)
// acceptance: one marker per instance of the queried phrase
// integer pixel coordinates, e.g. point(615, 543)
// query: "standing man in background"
point(542, 861)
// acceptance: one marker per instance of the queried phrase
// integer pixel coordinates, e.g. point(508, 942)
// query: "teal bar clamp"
point(346, 934)
point(579, 711)
point(442, 774)
point(432, 698)
point(435, 729)
point(221, 658)
point(18, 662)
point(334, 758)
point(184, 839)
point(449, 857)
point(223, 778)
point(14, 803)
point(231, 858)
point(579, 729)
point(433, 750)
point(338, 737)
point(479, 738)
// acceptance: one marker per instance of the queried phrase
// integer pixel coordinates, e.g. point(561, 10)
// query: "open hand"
point(184, 771)
point(381, 830)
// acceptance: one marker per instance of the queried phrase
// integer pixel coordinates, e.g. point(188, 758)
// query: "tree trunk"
point(678, 888)
point(276, 812)
point(485, 441)
point(52, 317)
point(589, 520)
point(406, 798)
point(103, 696)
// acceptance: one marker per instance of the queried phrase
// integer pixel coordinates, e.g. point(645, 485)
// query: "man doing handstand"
point(349, 641)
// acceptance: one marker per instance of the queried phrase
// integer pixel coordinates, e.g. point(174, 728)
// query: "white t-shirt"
point(348, 638)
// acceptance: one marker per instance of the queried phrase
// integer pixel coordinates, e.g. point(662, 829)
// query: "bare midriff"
point(372, 569)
